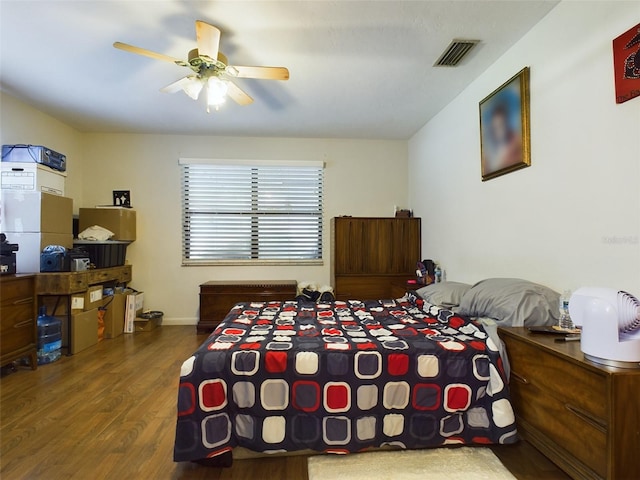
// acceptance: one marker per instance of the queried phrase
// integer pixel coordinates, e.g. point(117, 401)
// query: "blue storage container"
point(49, 337)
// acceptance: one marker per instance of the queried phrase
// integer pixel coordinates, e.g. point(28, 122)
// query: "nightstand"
point(400, 287)
point(583, 416)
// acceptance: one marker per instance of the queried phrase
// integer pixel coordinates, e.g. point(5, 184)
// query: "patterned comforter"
point(340, 378)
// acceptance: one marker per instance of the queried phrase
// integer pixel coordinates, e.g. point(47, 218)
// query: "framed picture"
point(504, 127)
point(626, 64)
point(122, 198)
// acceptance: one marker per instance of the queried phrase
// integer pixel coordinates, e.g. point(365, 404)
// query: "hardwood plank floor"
point(109, 413)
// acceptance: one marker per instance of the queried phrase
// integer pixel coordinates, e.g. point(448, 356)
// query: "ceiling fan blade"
point(208, 39)
point(177, 85)
point(147, 53)
point(238, 95)
point(265, 73)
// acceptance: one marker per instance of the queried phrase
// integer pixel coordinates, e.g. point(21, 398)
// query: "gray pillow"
point(444, 294)
point(511, 302)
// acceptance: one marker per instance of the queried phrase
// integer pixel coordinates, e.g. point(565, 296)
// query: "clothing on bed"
point(342, 377)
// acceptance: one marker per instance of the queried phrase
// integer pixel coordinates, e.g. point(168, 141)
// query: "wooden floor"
point(109, 413)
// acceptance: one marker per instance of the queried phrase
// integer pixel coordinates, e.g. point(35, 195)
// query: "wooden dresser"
point(218, 297)
point(371, 255)
point(18, 319)
point(583, 416)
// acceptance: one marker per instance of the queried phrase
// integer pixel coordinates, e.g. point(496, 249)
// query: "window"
point(240, 211)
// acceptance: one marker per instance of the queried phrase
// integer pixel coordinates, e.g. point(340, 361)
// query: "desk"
point(68, 283)
point(62, 285)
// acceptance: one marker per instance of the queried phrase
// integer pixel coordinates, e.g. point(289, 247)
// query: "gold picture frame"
point(505, 138)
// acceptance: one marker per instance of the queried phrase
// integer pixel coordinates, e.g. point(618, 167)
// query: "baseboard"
point(179, 321)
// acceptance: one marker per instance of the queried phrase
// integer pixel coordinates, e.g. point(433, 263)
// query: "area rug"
point(463, 463)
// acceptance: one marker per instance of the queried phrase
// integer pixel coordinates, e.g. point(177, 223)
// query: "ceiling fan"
point(211, 69)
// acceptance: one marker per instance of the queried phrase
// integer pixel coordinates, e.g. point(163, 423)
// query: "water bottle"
point(565, 322)
point(49, 337)
point(438, 274)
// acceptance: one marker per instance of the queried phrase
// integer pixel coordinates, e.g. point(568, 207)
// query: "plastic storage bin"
point(111, 253)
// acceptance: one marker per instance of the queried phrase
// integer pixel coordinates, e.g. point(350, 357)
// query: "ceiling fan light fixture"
point(210, 69)
point(216, 91)
point(193, 88)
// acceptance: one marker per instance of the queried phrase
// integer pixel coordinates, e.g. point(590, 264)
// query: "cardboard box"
point(31, 244)
point(114, 316)
point(93, 297)
point(121, 221)
point(31, 177)
point(84, 330)
point(133, 308)
point(35, 212)
point(146, 324)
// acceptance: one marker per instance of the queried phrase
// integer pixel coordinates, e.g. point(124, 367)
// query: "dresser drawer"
point(126, 274)
point(62, 283)
point(99, 276)
point(17, 292)
point(365, 287)
point(14, 314)
point(17, 326)
point(103, 275)
point(565, 402)
point(569, 383)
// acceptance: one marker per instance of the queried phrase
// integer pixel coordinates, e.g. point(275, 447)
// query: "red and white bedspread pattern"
point(342, 377)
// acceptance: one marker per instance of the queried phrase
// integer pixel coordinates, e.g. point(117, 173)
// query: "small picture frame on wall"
point(504, 128)
point(122, 198)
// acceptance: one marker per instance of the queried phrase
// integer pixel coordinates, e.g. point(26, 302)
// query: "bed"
point(342, 377)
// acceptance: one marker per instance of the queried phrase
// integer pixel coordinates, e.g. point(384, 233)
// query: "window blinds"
point(233, 212)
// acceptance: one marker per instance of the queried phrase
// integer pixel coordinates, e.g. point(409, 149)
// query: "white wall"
point(362, 178)
point(573, 217)
point(23, 124)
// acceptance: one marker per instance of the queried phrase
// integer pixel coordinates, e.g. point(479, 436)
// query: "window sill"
point(251, 263)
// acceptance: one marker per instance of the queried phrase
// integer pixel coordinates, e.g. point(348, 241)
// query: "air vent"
point(455, 52)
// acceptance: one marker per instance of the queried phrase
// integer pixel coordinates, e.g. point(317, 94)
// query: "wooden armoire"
point(370, 255)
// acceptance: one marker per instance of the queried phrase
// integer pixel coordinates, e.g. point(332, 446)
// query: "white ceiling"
point(359, 69)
